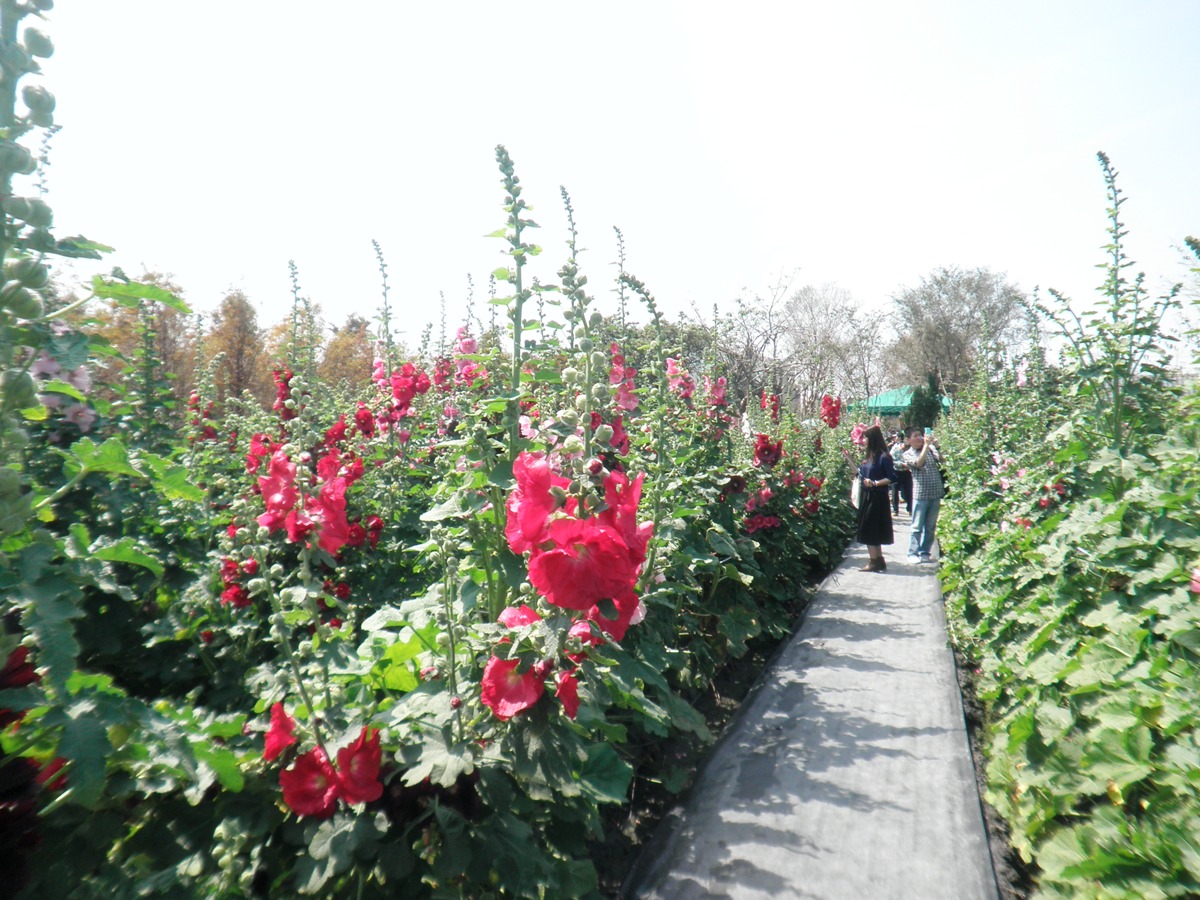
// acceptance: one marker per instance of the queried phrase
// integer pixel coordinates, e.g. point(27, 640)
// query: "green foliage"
point(1071, 564)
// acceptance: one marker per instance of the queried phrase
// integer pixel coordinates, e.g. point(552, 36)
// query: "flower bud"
point(595, 465)
point(600, 393)
point(596, 319)
point(580, 331)
point(29, 209)
point(573, 444)
point(567, 416)
point(37, 98)
point(277, 570)
point(570, 375)
point(604, 434)
point(257, 585)
point(16, 158)
point(569, 315)
point(38, 44)
point(586, 345)
point(599, 360)
point(262, 533)
point(29, 272)
point(289, 403)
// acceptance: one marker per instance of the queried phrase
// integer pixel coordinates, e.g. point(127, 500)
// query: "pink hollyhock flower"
point(328, 510)
point(45, 366)
point(715, 390)
point(81, 379)
point(311, 785)
point(466, 344)
point(298, 525)
point(518, 616)
point(588, 562)
point(379, 373)
point(507, 692)
point(1194, 587)
point(281, 734)
point(358, 769)
point(531, 502)
point(1022, 376)
point(620, 438)
point(567, 691)
point(82, 416)
point(679, 380)
point(856, 435)
point(278, 488)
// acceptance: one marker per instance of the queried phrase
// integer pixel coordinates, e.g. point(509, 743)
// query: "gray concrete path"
point(848, 773)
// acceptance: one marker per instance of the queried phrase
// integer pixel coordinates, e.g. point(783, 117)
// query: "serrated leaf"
point(126, 551)
point(605, 776)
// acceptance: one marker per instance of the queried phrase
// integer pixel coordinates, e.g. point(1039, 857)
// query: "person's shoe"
point(874, 565)
point(913, 558)
point(926, 560)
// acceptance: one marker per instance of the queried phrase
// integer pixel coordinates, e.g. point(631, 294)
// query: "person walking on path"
point(875, 511)
point(922, 460)
point(902, 486)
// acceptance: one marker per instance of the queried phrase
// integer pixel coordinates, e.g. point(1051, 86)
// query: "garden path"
point(847, 772)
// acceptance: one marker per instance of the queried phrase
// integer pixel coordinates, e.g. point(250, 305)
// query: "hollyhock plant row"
point(420, 640)
point(1071, 557)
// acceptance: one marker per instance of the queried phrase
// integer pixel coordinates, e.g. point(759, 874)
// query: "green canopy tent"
point(891, 403)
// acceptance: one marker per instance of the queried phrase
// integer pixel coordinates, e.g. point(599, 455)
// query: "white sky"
point(861, 143)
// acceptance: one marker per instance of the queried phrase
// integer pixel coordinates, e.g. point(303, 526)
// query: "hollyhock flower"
point(766, 454)
point(620, 439)
point(283, 393)
point(629, 611)
point(582, 629)
point(567, 691)
point(45, 366)
point(18, 672)
point(679, 380)
point(364, 420)
point(715, 390)
point(358, 769)
point(356, 535)
point(1044, 502)
point(379, 372)
point(235, 595)
point(1005, 484)
point(831, 410)
point(621, 499)
point(337, 432)
point(281, 734)
point(230, 571)
point(328, 512)
point(857, 435)
point(374, 530)
point(81, 379)
point(298, 524)
point(505, 691)
point(1022, 373)
point(1194, 587)
point(311, 785)
point(531, 502)
point(82, 416)
point(518, 616)
point(812, 507)
point(46, 777)
point(588, 562)
point(279, 491)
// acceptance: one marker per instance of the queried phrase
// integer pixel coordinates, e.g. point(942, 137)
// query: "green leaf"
point(85, 743)
point(450, 509)
point(222, 762)
point(111, 457)
point(126, 551)
point(131, 293)
point(605, 776)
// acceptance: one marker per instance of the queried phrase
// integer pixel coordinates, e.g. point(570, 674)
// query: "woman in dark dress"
point(875, 508)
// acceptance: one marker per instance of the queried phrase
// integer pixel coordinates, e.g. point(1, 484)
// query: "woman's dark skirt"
point(875, 518)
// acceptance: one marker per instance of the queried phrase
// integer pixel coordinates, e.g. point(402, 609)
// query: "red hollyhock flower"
point(567, 691)
point(281, 734)
point(236, 595)
point(364, 419)
point(582, 629)
point(17, 672)
point(622, 496)
point(356, 536)
point(358, 769)
point(589, 562)
point(299, 525)
point(250, 567)
point(311, 785)
point(531, 502)
point(328, 509)
point(766, 454)
point(507, 692)
point(374, 530)
point(518, 616)
point(337, 432)
point(629, 612)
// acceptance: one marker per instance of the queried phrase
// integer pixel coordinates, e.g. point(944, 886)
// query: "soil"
point(1014, 877)
point(628, 828)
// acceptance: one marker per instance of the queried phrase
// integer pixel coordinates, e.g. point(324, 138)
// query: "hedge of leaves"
point(1072, 570)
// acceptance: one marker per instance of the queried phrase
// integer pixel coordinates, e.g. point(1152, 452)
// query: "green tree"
point(948, 317)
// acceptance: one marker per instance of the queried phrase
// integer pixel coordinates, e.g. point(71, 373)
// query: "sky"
point(736, 146)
